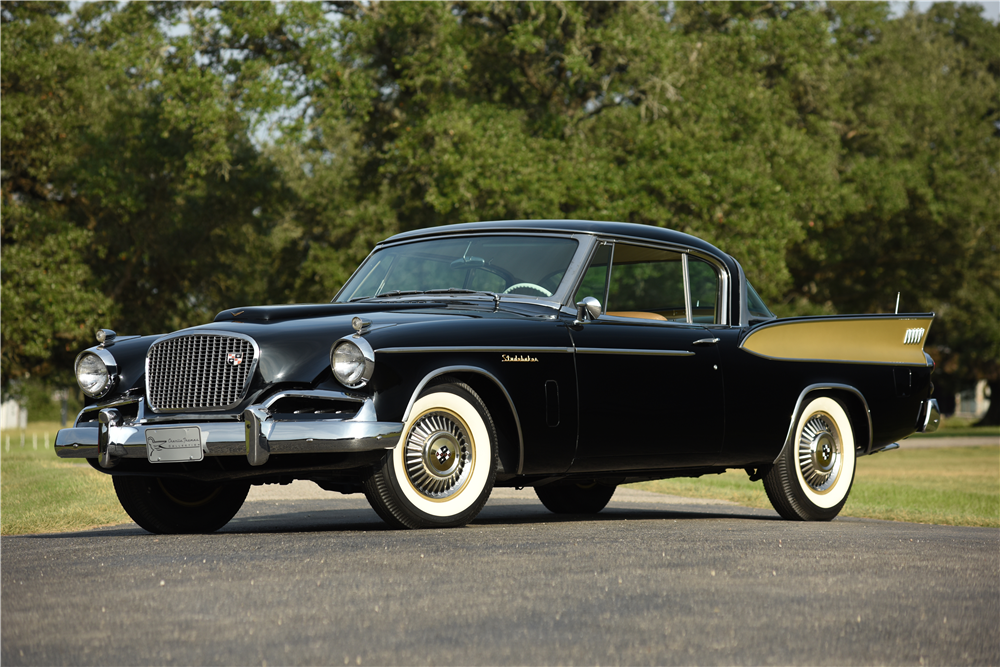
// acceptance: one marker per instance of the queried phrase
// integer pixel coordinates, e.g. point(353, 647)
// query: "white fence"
point(13, 415)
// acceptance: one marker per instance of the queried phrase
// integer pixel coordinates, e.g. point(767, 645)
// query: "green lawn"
point(956, 486)
point(41, 493)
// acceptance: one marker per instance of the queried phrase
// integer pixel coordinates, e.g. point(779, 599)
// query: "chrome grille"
point(203, 371)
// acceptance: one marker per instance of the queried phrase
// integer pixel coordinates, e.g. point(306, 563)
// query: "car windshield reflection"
point(532, 266)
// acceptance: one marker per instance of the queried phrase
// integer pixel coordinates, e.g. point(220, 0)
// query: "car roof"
point(596, 227)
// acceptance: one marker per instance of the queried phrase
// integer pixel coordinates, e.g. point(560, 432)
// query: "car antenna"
point(897, 302)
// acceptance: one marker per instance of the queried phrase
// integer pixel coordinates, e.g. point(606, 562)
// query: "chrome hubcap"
point(439, 455)
point(820, 455)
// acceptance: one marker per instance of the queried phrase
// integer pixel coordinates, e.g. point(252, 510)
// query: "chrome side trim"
point(472, 369)
point(885, 448)
point(641, 353)
point(819, 387)
point(472, 348)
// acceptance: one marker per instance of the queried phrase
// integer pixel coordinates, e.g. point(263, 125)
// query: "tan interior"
point(638, 314)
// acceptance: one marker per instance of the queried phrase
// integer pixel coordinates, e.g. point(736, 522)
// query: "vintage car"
point(569, 356)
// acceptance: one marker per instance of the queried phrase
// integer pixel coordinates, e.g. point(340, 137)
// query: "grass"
point(956, 486)
point(41, 493)
point(959, 427)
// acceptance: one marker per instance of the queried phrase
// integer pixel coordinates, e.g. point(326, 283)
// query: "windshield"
point(525, 265)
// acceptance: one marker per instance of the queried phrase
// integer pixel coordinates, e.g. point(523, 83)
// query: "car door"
point(648, 370)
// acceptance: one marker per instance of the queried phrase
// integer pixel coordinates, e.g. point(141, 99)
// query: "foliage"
point(175, 159)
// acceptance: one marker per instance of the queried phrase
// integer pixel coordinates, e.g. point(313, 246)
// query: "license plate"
point(174, 444)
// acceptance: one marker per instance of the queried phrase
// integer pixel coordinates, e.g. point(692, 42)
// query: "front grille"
point(199, 371)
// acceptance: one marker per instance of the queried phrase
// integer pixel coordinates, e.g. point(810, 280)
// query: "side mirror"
point(588, 306)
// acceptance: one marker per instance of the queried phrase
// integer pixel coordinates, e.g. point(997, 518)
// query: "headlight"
point(352, 361)
point(95, 372)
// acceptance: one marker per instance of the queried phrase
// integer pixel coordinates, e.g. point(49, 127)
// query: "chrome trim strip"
point(819, 387)
point(472, 369)
point(642, 353)
point(200, 332)
point(472, 348)
point(687, 289)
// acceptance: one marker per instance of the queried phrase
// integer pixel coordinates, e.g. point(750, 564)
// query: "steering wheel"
point(533, 286)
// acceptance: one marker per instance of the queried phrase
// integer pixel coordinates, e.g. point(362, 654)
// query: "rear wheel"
point(813, 475)
point(169, 505)
point(575, 497)
point(442, 472)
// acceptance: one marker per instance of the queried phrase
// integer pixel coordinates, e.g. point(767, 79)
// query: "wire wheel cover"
point(819, 452)
point(439, 455)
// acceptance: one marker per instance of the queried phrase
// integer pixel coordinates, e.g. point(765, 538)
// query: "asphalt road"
point(306, 577)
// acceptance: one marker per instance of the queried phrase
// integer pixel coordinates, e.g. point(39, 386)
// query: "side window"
point(646, 283)
point(595, 280)
point(704, 282)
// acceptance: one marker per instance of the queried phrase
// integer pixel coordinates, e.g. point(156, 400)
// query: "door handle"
point(706, 341)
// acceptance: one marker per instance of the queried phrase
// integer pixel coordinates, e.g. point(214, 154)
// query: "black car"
point(570, 356)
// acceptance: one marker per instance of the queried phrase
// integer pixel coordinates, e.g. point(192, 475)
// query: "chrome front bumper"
point(257, 436)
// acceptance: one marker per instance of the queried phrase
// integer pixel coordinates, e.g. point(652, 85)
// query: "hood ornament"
point(360, 325)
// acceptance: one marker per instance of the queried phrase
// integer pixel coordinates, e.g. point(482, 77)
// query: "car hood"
point(295, 340)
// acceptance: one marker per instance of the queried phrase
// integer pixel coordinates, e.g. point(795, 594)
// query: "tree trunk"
point(992, 416)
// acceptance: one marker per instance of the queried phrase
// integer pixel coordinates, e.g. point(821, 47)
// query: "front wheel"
point(170, 505)
point(442, 471)
point(575, 497)
point(814, 472)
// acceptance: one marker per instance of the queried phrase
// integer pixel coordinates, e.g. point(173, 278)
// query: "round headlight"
point(93, 374)
point(352, 363)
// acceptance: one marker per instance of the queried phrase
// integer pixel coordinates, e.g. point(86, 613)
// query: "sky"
point(991, 8)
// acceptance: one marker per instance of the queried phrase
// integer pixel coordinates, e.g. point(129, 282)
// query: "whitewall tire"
point(442, 471)
point(813, 475)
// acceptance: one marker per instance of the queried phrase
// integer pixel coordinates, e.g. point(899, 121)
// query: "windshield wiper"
point(396, 292)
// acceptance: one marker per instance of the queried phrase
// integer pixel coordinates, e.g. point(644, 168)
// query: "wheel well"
point(857, 411)
point(508, 433)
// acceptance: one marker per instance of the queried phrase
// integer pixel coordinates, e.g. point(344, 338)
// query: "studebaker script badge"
point(174, 444)
point(517, 357)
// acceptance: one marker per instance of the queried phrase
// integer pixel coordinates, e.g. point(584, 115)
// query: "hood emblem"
point(234, 358)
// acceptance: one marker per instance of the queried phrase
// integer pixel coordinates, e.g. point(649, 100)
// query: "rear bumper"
point(930, 416)
point(257, 436)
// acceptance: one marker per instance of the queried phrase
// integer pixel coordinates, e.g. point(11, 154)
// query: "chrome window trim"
point(582, 254)
point(721, 270)
point(202, 332)
point(471, 369)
